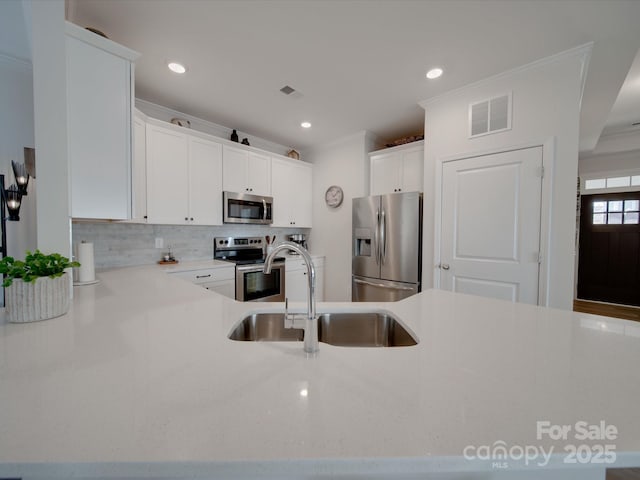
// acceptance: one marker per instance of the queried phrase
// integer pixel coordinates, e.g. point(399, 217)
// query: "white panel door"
point(205, 182)
point(490, 236)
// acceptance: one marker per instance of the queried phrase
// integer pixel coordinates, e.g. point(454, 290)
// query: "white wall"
point(546, 105)
point(50, 119)
point(345, 163)
point(16, 118)
point(613, 162)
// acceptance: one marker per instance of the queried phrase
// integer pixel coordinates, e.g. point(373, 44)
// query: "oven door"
point(246, 208)
point(253, 285)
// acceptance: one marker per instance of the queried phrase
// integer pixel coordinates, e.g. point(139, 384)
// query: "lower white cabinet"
point(296, 280)
point(221, 280)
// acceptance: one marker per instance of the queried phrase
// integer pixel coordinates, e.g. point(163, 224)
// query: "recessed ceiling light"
point(434, 73)
point(176, 67)
point(305, 125)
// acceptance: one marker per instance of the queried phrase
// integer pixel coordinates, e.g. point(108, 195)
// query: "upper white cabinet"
point(245, 171)
point(139, 169)
point(99, 116)
point(291, 190)
point(397, 169)
point(184, 175)
point(205, 182)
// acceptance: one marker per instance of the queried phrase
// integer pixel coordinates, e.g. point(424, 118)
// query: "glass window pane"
point(599, 207)
point(631, 205)
point(615, 206)
point(614, 182)
point(599, 218)
point(635, 180)
point(631, 217)
point(615, 218)
point(595, 183)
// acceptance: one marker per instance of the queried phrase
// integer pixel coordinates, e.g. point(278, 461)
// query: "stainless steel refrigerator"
point(387, 247)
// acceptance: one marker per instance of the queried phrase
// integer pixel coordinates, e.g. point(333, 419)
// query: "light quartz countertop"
point(140, 380)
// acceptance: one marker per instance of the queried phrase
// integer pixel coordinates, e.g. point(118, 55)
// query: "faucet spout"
point(311, 323)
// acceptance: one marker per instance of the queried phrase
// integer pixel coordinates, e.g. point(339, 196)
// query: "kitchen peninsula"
point(140, 380)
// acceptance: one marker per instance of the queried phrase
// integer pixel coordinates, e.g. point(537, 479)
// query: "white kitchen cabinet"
point(139, 169)
point(183, 178)
point(397, 169)
point(246, 171)
point(220, 279)
point(291, 186)
point(297, 283)
point(205, 182)
point(99, 118)
point(167, 176)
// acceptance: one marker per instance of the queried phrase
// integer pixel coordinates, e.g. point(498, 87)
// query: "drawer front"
point(207, 275)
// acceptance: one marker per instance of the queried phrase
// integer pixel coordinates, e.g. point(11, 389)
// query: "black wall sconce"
point(12, 196)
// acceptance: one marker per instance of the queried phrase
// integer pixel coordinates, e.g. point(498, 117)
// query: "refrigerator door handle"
point(383, 238)
point(376, 238)
point(381, 285)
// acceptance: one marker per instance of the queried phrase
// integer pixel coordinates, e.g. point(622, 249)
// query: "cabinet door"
point(385, 173)
point(226, 288)
point(412, 171)
point(259, 174)
point(139, 171)
point(300, 198)
point(296, 285)
point(319, 282)
point(167, 176)
point(280, 190)
point(205, 182)
point(99, 132)
point(234, 169)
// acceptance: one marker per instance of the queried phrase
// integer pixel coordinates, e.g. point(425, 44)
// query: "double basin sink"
point(344, 329)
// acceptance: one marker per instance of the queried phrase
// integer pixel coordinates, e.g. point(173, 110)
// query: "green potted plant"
point(36, 288)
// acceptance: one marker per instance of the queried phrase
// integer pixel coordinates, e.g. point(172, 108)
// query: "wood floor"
point(607, 309)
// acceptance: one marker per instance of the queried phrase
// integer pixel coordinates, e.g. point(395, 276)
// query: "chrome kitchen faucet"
point(311, 322)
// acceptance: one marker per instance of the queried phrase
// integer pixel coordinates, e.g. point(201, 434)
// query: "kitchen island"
point(140, 380)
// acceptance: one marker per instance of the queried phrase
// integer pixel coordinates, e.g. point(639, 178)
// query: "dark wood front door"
point(609, 262)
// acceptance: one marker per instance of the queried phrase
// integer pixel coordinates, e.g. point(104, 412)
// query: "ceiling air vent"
point(291, 92)
point(490, 116)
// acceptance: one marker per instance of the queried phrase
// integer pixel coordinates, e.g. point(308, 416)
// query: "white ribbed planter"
point(30, 302)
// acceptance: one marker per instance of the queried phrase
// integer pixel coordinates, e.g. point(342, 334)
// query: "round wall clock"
point(334, 196)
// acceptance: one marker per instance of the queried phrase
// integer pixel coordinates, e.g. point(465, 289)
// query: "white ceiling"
point(359, 65)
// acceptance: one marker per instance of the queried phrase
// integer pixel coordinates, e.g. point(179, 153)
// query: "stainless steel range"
point(252, 284)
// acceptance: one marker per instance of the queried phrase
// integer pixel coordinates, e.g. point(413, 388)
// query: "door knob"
point(445, 266)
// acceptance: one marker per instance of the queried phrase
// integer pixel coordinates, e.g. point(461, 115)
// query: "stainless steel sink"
point(345, 329)
point(265, 327)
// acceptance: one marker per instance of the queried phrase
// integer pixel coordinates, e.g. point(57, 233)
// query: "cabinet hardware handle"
point(203, 276)
point(145, 216)
point(382, 285)
point(191, 219)
point(186, 218)
point(445, 266)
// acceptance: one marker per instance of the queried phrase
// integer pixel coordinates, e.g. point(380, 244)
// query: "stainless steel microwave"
point(246, 208)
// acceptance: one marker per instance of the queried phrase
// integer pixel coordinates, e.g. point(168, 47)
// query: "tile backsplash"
point(126, 244)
